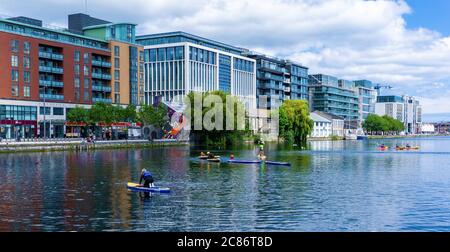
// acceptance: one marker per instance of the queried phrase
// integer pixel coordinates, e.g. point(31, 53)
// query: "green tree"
point(151, 115)
point(229, 107)
point(294, 121)
point(382, 124)
point(78, 114)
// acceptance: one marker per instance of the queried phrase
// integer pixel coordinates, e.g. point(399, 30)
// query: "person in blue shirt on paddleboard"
point(147, 177)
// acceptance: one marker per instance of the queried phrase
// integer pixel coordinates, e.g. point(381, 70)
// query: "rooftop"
point(179, 36)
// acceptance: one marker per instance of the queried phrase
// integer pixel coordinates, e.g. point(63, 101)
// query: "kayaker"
point(211, 156)
point(261, 155)
point(147, 177)
point(202, 154)
point(232, 157)
point(408, 146)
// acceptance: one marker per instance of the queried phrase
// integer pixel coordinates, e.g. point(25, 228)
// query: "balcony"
point(287, 80)
point(104, 100)
point(51, 97)
point(287, 89)
point(100, 88)
point(100, 63)
point(101, 76)
point(49, 69)
point(50, 55)
point(51, 83)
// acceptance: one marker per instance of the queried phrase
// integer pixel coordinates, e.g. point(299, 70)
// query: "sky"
point(403, 43)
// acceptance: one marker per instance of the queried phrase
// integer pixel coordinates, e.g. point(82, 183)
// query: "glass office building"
point(177, 63)
point(334, 96)
point(278, 80)
point(367, 99)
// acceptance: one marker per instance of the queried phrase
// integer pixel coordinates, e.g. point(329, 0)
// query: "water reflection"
point(346, 186)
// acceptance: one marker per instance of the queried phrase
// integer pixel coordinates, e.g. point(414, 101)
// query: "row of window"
point(205, 56)
point(46, 34)
point(47, 111)
point(243, 65)
point(163, 54)
point(15, 61)
point(11, 112)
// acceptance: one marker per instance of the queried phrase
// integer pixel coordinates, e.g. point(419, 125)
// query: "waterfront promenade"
point(80, 144)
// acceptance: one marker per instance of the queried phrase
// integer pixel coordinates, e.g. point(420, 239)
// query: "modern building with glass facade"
point(406, 109)
point(177, 63)
point(278, 80)
point(46, 71)
point(367, 99)
point(334, 96)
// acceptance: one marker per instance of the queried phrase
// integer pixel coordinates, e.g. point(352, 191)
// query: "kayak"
point(258, 162)
point(206, 157)
point(278, 163)
point(383, 149)
point(214, 160)
point(139, 188)
point(244, 161)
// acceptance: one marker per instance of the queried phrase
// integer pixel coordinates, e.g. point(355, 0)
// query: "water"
point(334, 186)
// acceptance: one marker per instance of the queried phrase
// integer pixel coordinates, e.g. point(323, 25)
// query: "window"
point(86, 95)
point(26, 77)
point(152, 55)
point(76, 56)
point(15, 90)
point(14, 45)
point(116, 63)
point(26, 62)
point(26, 91)
point(77, 69)
point(14, 75)
point(141, 55)
point(170, 53)
point(161, 54)
point(117, 51)
point(117, 75)
point(86, 83)
point(14, 61)
point(116, 86)
point(47, 111)
point(76, 83)
point(179, 52)
point(86, 58)
point(86, 71)
point(117, 98)
point(58, 111)
point(26, 47)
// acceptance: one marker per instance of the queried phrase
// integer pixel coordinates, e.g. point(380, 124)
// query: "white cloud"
point(351, 39)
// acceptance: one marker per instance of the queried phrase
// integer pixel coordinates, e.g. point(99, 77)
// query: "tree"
point(129, 114)
point(382, 124)
point(78, 114)
point(221, 110)
point(294, 121)
point(156, 116)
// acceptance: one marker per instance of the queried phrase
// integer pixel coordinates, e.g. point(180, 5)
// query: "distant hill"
point(439, 117)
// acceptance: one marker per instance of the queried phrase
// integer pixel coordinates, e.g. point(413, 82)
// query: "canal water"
point(332, 186)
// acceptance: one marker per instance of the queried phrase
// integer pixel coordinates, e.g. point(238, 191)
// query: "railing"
point(51, 69)
point(105, 100)
point(49, 55)
point(101, 63)
point(100, 88)
point(51, 97)
point(101, 76)
point(50, 83)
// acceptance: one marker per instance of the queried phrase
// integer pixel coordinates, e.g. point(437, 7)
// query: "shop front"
point(75, 129)
point(18, 129)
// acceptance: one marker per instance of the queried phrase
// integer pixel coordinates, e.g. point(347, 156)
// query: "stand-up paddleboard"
point(278, 163)
point(139, 188)
point(244, 161)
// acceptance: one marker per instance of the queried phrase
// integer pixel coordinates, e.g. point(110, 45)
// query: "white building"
point(177, 63)
point(322, 126)
point(406, 109)
point(428, 128)
point(337, 123)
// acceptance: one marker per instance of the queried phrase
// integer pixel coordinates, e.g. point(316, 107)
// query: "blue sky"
point(432, 14)
point(403, 43)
